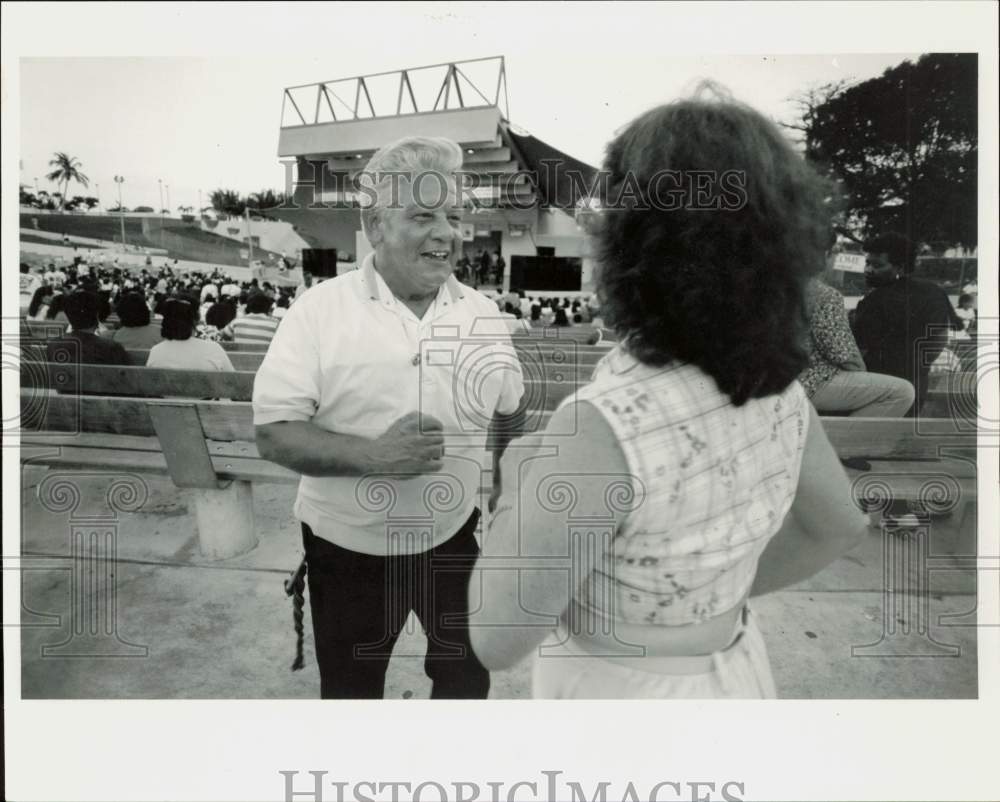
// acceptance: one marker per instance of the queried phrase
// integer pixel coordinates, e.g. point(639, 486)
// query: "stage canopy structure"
point(329, 130)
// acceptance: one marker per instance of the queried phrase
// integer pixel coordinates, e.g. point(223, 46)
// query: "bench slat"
point(142, 382)
point(895, 438)
point(872, 438)
point(251, 360)
point(226, 468)
point(220, 420)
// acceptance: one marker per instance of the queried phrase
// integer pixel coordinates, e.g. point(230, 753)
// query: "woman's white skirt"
point(565, 670)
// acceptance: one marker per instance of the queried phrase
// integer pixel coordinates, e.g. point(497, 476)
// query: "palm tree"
point(266, 199)
point(227, 202)
point(67, 169)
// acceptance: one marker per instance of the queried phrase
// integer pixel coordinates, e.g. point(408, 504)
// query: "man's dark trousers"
point(360, 602)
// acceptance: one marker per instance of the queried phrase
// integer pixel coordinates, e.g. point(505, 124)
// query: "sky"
point(204, 123)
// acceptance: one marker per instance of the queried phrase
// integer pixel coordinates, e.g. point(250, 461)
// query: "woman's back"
point(716, 481)
point(137, 337)
point(190, 354)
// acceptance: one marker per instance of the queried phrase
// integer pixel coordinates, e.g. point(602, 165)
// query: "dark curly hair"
point(132, 309)
point(180, 316)
point(898, 247)
point(719, 278)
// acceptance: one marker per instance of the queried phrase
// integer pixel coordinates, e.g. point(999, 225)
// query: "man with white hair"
point(379, 388)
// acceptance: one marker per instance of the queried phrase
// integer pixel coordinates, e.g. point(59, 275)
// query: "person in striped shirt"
point(256, 326)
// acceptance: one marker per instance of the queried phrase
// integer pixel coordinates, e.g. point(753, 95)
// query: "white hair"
point(409, 156)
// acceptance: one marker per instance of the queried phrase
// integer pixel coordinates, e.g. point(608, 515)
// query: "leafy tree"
point(67, 168)
point(266, 199)
point(25, 197)
point(91, 202)
point(902, 147)
point(227, 202)
point(45, 201)
point(144, 209)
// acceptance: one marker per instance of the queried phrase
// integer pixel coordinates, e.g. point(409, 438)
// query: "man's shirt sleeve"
point(513, 383)
point(287, 385)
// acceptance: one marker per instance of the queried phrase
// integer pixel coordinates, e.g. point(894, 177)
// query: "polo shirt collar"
point(375, 288)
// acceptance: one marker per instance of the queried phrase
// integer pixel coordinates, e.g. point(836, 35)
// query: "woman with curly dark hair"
point(692, 472)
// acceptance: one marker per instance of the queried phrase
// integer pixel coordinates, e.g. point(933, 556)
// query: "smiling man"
point(380, 387)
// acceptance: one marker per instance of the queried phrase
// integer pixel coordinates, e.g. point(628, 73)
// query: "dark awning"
point(561, 179)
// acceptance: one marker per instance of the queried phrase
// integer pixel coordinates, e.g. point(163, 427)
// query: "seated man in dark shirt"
point(82, 345)
point(902, 325)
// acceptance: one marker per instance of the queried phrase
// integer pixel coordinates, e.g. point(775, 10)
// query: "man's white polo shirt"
point(352, 359)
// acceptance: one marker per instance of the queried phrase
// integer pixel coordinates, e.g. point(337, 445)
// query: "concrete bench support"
point(223, 510)
point(225, 519)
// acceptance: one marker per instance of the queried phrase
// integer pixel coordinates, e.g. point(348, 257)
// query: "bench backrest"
point(562, 358)
point(873, 438)
point(219, 420)
point(41, 329)
point(139, 382)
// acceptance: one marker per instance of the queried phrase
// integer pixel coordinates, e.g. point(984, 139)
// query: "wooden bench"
point(41, 329)
point(543, 394)
point(207, 446)
point(949, 394)
point(556, 364)
point(551, 336)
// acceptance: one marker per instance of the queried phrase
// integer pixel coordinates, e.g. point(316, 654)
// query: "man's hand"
point(414, 444)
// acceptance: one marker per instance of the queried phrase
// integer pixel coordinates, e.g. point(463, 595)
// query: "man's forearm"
point(310, 450)
point(503, 429)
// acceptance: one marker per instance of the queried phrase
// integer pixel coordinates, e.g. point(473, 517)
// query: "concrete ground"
point(180, 626)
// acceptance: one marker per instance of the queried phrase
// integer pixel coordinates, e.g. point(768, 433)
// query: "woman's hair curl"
point(717, 278)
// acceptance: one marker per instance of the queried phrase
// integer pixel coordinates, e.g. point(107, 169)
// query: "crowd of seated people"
point(135, 309)
point(543, 312)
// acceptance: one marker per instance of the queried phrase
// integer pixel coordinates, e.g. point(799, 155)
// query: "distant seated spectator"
point(221, 313)
point(82, 345)
point(29, 283)
point(966, 312)
point(307, 282)
point(180, 350)
point(256, 327)
point(38, 308)
point(835, 379)
point(206, 303)
point(136, 329)
point(218, 320)
point(561, 319)
point(514, 324)
point(281, 307)
point(56, 311)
